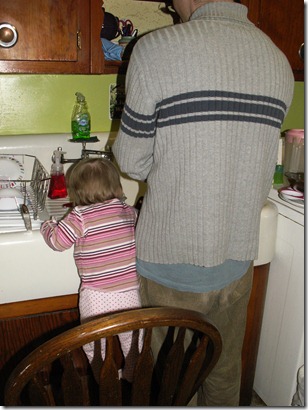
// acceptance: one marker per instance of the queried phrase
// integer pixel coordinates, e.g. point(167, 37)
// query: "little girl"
point(101, 226)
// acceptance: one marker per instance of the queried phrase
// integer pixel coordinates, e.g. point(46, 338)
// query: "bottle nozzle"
point(80, 97)
point(57, 186)
point(57, 158)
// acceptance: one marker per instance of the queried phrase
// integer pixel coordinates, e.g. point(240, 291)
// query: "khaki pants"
point(227, 310)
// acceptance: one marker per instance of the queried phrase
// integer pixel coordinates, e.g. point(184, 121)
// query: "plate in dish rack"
point(10, 170)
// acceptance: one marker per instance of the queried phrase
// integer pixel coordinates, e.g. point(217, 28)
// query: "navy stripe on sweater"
point(202, 106)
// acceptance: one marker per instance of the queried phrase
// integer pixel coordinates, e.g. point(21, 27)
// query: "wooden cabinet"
point(26, 325)
point(283, 22)
point(255, 311)
point(53, 36)
point(63, 37)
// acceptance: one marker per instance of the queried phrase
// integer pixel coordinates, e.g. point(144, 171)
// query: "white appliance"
point(281, 348)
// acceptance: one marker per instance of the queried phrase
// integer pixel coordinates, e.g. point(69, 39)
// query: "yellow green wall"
point(42, 104)
point(296, 115)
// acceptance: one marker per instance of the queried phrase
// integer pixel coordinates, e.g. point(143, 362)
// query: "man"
point(205, 101)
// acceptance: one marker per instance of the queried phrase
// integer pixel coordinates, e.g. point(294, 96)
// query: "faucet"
point(85, 153)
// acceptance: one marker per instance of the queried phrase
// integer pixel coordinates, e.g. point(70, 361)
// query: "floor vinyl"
point(256, 401)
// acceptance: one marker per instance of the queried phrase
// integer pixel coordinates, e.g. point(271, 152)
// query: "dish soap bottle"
point(81, 119)
point(57, 185)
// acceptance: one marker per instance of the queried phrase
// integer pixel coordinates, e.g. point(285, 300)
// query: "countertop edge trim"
point(38, 306)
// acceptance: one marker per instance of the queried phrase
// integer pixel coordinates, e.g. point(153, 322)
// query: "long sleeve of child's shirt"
point(60, 236)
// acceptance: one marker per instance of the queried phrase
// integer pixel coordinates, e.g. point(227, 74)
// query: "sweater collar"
point(221, 10)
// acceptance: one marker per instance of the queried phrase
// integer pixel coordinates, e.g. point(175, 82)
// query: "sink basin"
point(31, 270)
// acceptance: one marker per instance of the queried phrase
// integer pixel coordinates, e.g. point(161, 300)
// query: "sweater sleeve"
point(133, 147)
point(62, 235)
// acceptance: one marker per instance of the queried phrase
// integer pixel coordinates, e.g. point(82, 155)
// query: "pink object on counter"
point(294, 151)
point(295, 135)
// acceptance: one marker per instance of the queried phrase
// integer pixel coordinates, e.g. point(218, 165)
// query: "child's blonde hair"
point(93, 180)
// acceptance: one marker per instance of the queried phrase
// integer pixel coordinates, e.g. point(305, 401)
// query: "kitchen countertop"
point(287, 209)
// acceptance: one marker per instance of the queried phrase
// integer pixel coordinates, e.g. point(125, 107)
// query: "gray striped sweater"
point(205, 101)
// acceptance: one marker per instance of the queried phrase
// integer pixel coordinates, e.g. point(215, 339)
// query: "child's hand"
point(50, 222)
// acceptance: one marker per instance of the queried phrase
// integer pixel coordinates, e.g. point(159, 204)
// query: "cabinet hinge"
point(79, 40)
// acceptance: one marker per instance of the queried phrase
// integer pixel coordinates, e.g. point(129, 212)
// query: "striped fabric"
point(104, 244)
point(203, 106)
point(205, 103)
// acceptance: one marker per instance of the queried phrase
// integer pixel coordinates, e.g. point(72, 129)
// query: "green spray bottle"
point(81, 119)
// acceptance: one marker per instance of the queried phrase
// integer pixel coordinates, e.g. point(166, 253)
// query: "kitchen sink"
point(31, 270)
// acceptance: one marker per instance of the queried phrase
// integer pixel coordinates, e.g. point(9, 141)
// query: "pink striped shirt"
point(103, 236)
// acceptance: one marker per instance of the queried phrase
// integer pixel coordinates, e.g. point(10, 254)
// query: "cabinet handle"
point(301, 51)
point(8, 35)
point(79, 40)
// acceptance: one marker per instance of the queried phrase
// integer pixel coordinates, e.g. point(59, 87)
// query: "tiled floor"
point(256, 401)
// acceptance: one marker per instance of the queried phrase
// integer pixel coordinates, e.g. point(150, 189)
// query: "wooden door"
point(53, 36)
point(283, 22)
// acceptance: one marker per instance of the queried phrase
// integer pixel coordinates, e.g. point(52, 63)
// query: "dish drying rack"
point(34, 184)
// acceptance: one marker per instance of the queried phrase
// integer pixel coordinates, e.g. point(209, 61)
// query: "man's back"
point(205, 103)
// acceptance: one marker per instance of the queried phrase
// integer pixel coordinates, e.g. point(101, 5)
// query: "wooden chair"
point(58, 373)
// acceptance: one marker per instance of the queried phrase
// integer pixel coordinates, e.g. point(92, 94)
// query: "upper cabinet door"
point(283, 22)
point(52, 36)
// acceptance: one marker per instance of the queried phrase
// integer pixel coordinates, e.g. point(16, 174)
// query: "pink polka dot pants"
point(93, 303)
